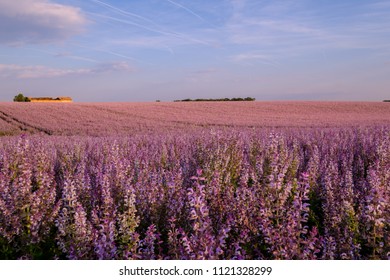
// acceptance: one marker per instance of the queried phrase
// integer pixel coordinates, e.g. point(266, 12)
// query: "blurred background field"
point(103, 119)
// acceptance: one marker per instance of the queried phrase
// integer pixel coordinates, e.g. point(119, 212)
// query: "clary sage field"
point(212, 193)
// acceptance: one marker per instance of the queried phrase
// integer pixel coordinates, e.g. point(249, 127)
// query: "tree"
point(20, 98)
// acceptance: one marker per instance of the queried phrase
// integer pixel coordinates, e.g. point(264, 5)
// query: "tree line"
point(218, 99)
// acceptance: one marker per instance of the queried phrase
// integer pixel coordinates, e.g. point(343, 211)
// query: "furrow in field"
point(157, 117)
point(23, 126)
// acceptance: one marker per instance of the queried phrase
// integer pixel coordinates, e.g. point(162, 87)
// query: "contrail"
point(109, 52)
point(131, 23)
point(65, 55)
point(123, 12)
point(187, 9)
point(174, 34)
point(127, 22)
point(156, 28)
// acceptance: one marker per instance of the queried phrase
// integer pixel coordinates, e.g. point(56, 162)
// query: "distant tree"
point(20, 98)
point(386, 100)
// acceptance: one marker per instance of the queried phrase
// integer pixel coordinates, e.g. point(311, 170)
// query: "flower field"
point(107, 119)
point(185, 181)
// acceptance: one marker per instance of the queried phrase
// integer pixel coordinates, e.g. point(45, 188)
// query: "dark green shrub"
point(20, 98)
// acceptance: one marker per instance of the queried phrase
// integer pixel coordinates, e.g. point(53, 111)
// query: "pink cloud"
point(38, 21)
point(40, 71)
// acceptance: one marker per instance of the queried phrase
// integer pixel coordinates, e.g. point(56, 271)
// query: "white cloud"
point(41, 71)
point(38, 21)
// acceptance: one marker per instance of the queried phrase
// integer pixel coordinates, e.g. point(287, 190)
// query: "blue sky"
point(143, 50)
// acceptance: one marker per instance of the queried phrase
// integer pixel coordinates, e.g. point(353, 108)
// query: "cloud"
point(249, 56)
point(112, 67)
point(41, 71)
point(38, 21)
point(254, 56)
point(75, 57)
point(294, 28)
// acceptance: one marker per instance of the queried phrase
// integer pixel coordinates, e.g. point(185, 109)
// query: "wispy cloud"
point(75, 57)
point(267, 25)
point(338, 26)
point(41, 71)
point(288, 26)
point(38, 21)
point(379, 4)
point(202, 75)
point(63, 54)
point(149, 42)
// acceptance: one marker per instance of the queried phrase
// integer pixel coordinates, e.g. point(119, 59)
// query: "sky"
point(147, 50)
